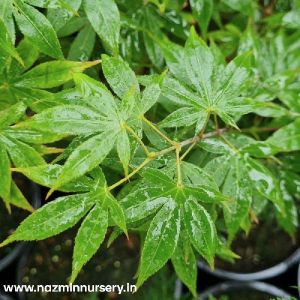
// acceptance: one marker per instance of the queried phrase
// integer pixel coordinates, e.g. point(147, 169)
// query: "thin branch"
point(133, 133)
point(153, 155)
point(199, 138)
point(126, 178)
point(158, 131)
point(178, 162)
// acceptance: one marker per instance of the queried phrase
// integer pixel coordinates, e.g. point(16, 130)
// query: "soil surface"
point(265, 246)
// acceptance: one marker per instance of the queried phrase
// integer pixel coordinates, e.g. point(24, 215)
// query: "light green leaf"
point(21, 154)
point(5, 178)
point(6, 44)
point(32, 136)
point(158, 178)
point(116, 212)
point(161, 241)
point(86, 157)
point(201, 230)
point(105, 18)
point(47, 175)
point(264, 182)
point(63, 13)
point(150, 97)
point(29, 54)
point(184, 116)
point(123, 149)
point(236, 186)
point(260, 149)
point(83, 45)
point(66, 120)
point(178, 93)
point(119, 75)
point(6, 7)
point(52, 74)
point(89, 238)
point(142, 203)
point(100, 98)
point(287, 138)
point(17, 199)
point(53, 218)
point(34, 25)
point(12, 114)
point(202, 10)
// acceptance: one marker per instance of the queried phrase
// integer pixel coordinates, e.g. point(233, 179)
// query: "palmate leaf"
point(184, 262)
point(236, 185)
point(289, 182)
point(53, 218)
point(97, 206)
point(14, 151)
point(201, 230)
point(27, 86)
point(287, 138)
point(89, 238)
point(51, 74)
point(264, 182)
point(5, 179)
point(34, 25)
point(202, 11)
point(101, 118)
point(62, 13)
point(6, 16)
point(105, 19)
point(6, 45)
point(159, 195)
point(240, 176)
point(199, 82)
point(161, 241)
point(86, 157)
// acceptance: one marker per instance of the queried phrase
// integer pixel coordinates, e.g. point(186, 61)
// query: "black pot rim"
point(235, 285)
point(20, 246)
point(259, 275)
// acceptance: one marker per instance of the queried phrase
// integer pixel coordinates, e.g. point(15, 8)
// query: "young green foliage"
point(197, 133)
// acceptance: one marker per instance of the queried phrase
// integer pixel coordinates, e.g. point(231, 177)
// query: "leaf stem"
point(153, 155)
point(198, 139)
point(133, 133)
point(126, 178)
point(178, 162)
point(159, 131)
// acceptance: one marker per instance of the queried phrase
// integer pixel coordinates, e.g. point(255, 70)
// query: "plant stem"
point(158, 131)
